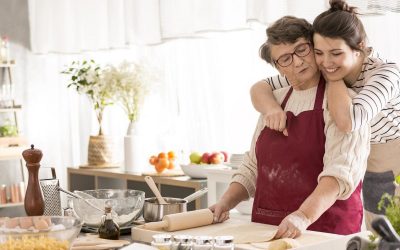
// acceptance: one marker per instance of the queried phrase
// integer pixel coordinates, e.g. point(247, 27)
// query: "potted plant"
point(131, 83)
point(86, 78)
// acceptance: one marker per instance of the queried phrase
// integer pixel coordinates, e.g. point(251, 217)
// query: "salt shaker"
point(203, 243)
point(224, 243)
point(162, 241)
point(182, 242)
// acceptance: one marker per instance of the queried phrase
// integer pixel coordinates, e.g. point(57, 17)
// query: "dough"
point(244, 234)
point(283, 244)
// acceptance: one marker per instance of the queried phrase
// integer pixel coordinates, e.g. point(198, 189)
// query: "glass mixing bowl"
point(39, 232)
point(127, 205)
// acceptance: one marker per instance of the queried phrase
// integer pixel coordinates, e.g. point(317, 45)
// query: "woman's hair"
point(341, 21)
point(285, 30)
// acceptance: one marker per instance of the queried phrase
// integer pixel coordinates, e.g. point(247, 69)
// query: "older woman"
point(310, 178)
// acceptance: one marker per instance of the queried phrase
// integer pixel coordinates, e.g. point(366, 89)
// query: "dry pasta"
point(34, 243)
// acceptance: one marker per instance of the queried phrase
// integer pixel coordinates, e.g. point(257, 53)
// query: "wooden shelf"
point(13, 109)
point(11, 205)
point(7, 65)
point(10, 153)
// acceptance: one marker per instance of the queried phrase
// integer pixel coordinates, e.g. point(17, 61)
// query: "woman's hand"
point(293, 225)
point(275, 119)
point(221, 211)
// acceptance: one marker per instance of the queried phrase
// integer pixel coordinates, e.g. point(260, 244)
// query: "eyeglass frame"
point(294, 53)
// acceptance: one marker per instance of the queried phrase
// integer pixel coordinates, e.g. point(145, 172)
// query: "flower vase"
point(135, 159)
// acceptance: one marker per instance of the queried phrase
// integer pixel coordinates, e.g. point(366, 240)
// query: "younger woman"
point(342, 56)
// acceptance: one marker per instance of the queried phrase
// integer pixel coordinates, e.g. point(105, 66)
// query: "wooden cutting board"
point(241, 230)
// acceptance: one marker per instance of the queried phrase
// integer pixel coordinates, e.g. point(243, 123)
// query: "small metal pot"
point(152, 211)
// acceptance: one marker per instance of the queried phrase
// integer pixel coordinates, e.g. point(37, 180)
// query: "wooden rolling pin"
point(180, 221)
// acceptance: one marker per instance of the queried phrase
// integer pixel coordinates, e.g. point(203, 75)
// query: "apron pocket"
point(374, 186)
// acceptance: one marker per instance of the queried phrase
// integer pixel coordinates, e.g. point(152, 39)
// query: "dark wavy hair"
point(341, 21)
point(285, 30)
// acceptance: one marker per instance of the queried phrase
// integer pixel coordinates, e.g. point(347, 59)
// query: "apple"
point(205, 158)
point(195, 157)
point(225, 155)
point(217, 158)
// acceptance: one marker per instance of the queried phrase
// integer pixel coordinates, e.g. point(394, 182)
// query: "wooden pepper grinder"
point(34, 204)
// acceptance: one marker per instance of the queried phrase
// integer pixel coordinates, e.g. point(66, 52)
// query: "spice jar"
point(223, 243)
point(203, 243)
point(182, 242)
point(162, 241)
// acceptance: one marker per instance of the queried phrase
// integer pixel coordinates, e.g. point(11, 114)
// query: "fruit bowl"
point(39, 232)
point(197, 171)
point(127, 204)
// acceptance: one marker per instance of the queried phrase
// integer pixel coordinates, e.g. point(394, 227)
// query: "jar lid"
point(224, 240)
point(203, 240)
point(183, 238)
point(162, 238)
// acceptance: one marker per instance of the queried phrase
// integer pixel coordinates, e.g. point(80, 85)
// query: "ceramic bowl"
point(197, 171)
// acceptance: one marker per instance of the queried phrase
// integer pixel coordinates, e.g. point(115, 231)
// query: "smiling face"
point(303, 72)
point(336, 59)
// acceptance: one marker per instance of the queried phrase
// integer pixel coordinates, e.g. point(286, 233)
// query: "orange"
point(153, 160)
point(162, 155)
point(163, 162)
point(171, 165)
point(159, 168)
point(171, 155)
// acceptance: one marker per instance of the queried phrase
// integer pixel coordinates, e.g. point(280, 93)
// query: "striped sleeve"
point(381, 86)
point(277, 82)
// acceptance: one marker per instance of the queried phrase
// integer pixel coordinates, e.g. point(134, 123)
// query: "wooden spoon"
point(155, 190)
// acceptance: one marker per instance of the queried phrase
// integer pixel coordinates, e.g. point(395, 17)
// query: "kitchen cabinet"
point(178, 187)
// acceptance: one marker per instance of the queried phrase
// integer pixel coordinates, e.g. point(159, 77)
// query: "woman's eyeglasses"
point(301, 50)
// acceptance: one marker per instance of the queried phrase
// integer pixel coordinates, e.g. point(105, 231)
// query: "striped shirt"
point(377, 102)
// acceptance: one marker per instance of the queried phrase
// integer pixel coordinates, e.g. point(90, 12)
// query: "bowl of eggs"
point(38, 232)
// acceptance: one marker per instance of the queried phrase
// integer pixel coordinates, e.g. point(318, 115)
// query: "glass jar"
point(223, 243)
point(203, 243)
point(182, 242)
point(162, 241)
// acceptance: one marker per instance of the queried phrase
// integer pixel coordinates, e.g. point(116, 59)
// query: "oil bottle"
point(108, 228)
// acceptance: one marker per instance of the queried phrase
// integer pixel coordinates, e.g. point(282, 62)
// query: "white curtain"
point(70, 26)
point(202, 101)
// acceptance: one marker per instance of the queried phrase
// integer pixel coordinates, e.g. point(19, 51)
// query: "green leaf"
point(397, 179)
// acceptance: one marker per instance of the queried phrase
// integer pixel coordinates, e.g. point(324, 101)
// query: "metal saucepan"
point(153, 211)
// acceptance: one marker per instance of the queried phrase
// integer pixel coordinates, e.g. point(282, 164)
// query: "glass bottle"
point(5, 50)
point(162, 241)
point(182, 242)
point(203, 243)
point(108, 228)
point(223, 243)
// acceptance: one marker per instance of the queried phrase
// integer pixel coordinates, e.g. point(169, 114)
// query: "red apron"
point(288, 168)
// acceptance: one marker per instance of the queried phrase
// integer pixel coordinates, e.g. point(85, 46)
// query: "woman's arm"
point(264, 102)
point(235, 193)
point(340, 103)
point(381, 86)
point(322, 198)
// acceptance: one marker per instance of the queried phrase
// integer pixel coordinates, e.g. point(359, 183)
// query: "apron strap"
point(283, 105)
point(319, 99)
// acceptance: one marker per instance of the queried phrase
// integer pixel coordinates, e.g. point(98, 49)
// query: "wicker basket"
point(102, 151)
